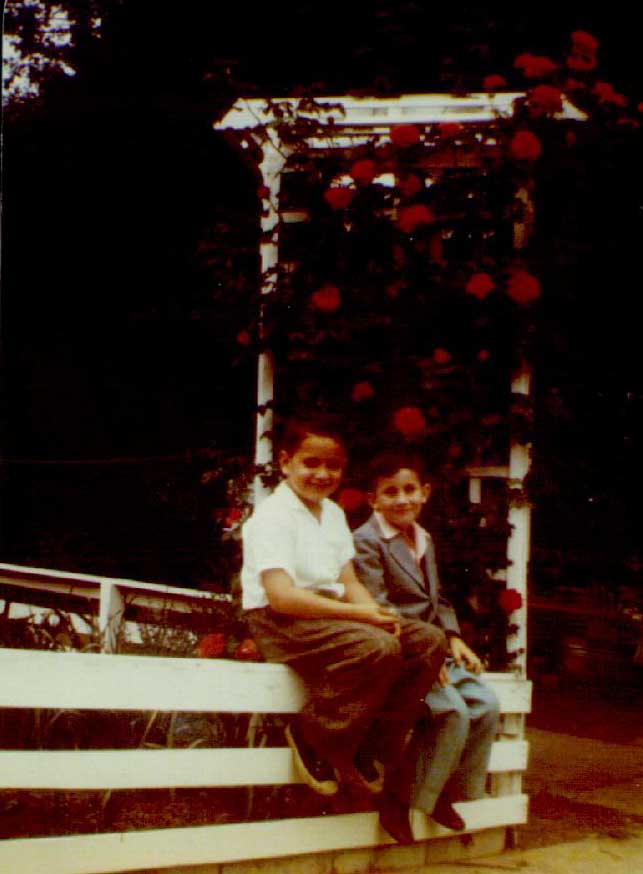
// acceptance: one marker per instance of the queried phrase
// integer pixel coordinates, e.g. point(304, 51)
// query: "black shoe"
point(444, 813)
point(394, 819)
point(371, 772)
point(315, 772)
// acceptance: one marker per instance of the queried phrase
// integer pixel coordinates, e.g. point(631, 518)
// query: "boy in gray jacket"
point(395, 560)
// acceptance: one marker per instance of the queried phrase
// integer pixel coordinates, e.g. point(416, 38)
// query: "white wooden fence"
point(102, 681)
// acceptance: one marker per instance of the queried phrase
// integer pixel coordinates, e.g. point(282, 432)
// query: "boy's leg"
point(423, 650)
point(348, 668)
point(440, 742)
point(469, 777)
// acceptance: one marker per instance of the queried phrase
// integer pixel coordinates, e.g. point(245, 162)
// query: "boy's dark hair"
point(386, 464)
point(296, 429)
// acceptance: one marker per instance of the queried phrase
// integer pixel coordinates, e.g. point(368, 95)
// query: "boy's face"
point(315, 469)
point(400, 498)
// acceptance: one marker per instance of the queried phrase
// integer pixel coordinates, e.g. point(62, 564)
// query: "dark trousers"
point(366, 687)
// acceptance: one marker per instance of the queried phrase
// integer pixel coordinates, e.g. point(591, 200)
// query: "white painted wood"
point(111, 613)
point(130, 851)
point(376, 114)
point(154, 769)
point(94, 681)
point(475, 490)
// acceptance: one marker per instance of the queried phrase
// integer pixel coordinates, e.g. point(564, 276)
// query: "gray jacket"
point(389, 572)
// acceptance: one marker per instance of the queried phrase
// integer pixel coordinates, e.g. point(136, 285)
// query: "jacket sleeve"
point(445, 612)
point(369, 568)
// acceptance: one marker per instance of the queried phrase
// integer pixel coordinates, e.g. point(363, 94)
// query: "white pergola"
point(327, 123)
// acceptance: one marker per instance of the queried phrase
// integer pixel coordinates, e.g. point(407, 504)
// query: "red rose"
point(525, 146)
point(363, 171)
point(394, 289)
point(247, 651)
point(212, 646)
point(480, 285)
point(640, 107)
point(263, 192)
point(411, 216)
point(410, 185)
point(581, 61)
point(573, 84)
point(545, 100)
point(535, 66)
point(350, 499)
point(410, 422)
point(510, 600)
point(243, 338)
point(326, 299)
point(523, 287)
point(606, 94)
point(583, 40)
point(404, 135)
point(234, 516)
point(339, 198)
point(483, 355)
point(494, 82)
point(362, 391)
point(441, 356)
point(450, 128)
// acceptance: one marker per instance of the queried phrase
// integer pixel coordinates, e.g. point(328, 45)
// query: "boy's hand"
point(462, 653)
point(375, 614)
point(443, 676)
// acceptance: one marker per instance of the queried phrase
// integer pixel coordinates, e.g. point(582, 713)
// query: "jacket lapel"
point(401, 555)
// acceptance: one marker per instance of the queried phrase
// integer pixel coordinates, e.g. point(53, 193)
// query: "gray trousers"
point(365, 686)
point(455, 745)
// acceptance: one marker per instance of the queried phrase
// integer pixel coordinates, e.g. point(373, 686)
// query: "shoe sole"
point(322, 787)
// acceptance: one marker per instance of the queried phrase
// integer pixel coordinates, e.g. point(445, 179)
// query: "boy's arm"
point(285, 597)
point(369, 570)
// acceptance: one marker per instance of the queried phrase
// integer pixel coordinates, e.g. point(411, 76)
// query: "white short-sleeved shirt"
point(283, 533)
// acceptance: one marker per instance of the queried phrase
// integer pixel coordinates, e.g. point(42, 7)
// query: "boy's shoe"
point(371, 772)
point(394, 819)
point(315, 772)
point(444, 813)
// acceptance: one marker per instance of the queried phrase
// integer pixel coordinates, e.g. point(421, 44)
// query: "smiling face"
point(315, 469)
point(400, 498)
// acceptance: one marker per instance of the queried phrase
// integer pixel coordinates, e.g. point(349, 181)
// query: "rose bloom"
point(243, 338)
point(212, 646)
point(404, 135)
point(410, 422)
point(362, 391)
point(535, 66)
point(411, 216)
point(263, 192)
point(441, 356)
point(483, 355)
point(510, 600)
point(410, 185)
point(450, 128)
point(326, 299)
point(523, 287)
point(339, 197)
point(480, 285)
point(525, 146)
point(234, 516)
point(350, 499)
point(247, 651)
point(363, 171)
point(545, 99)
point(572, 84)
point(581, 61)
point(493, 82)
point(606, 94)
point(583, 40)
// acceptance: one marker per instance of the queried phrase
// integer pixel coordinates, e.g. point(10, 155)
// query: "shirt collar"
point(293, 500)
point(390, 531)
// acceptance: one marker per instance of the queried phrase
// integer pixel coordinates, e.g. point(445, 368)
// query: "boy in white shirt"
point(366, 669)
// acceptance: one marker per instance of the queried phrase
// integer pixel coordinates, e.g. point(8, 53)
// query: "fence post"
point(110, 615)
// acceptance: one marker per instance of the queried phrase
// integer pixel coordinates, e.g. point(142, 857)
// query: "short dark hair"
point(386, 464)
point(296, 429)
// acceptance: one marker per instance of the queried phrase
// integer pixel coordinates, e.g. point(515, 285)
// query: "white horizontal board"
point(98, 681)
point(149, 769)
point(130, 851)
